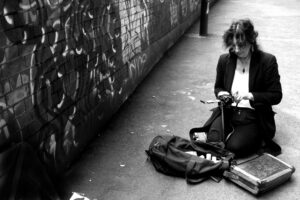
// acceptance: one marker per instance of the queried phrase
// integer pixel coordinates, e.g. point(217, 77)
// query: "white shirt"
point(240, 84)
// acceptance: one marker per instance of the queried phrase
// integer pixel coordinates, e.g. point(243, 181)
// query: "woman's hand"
point(223, 93)
point(242, 96)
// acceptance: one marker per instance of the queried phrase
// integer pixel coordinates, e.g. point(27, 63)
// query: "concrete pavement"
point(115, 167)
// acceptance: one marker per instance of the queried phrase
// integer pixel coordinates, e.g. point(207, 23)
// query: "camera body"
point(226, 99)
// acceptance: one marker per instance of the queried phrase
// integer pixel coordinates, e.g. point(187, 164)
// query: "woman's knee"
point(234, 146)
point(241, 149)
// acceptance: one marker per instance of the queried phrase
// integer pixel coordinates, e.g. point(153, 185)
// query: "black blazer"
point(264, 84)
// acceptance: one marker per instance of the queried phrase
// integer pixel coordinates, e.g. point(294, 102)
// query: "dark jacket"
point(264, 84)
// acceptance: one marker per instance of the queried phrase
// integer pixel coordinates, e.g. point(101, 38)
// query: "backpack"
point(171, 155)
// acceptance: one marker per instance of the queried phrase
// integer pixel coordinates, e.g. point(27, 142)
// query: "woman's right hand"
point(221, 93)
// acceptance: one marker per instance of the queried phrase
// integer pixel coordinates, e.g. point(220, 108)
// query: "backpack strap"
point(189, 173)
point(198, 171)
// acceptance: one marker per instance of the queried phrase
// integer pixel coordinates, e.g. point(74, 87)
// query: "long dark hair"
point(243, 31)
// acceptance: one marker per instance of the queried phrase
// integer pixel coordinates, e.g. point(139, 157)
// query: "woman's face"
point(241, 50)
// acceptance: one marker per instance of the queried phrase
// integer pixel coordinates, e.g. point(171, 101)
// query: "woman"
point(251, 77)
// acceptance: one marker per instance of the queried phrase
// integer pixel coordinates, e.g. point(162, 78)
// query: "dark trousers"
point(241, 135)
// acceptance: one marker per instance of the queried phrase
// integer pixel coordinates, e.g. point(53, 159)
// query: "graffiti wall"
point(67, 65)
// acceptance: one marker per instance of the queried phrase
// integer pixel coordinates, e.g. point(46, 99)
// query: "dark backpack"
point(169, 156)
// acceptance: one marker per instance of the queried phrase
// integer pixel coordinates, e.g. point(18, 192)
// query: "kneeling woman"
point(251, 77)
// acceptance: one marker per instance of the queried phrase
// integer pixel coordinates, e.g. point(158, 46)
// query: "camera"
point(226, 99)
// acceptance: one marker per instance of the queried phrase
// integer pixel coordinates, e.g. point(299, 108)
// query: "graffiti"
point(9, 126)
point(193, 5)
point(174, 13)
point(184, 8)
point(134, 16)
point(134, 70)
point(68, 57)
point(89, 59)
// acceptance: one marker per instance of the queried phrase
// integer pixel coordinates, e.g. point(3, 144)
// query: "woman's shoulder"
point(265, 55)
point(225, 56)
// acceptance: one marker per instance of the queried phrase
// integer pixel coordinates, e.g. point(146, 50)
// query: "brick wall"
point(67, 65)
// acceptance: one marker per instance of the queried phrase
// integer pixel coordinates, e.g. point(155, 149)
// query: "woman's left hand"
point(242, 96)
